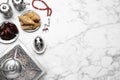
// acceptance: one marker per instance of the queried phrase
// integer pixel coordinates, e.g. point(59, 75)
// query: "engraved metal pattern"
point(30, 70)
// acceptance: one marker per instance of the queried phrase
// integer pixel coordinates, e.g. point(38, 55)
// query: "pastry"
point(26, 20)
point(34, 16)
point(27, 27)
point(37, 24)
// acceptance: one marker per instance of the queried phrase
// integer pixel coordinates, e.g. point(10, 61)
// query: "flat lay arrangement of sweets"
point(30, 20)
point(18, 63)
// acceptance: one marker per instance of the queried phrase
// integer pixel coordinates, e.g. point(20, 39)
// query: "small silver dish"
point(39, 45)
point(11, 68)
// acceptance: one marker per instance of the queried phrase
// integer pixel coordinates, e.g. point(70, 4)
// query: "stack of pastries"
point(30, 20)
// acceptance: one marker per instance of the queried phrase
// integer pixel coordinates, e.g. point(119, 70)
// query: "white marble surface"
point(82, 41)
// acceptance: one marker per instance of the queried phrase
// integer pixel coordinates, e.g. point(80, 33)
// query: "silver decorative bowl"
point(39, 45)
point(11, 68)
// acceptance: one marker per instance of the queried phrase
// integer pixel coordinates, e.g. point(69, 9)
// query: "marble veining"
point(82, 41)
